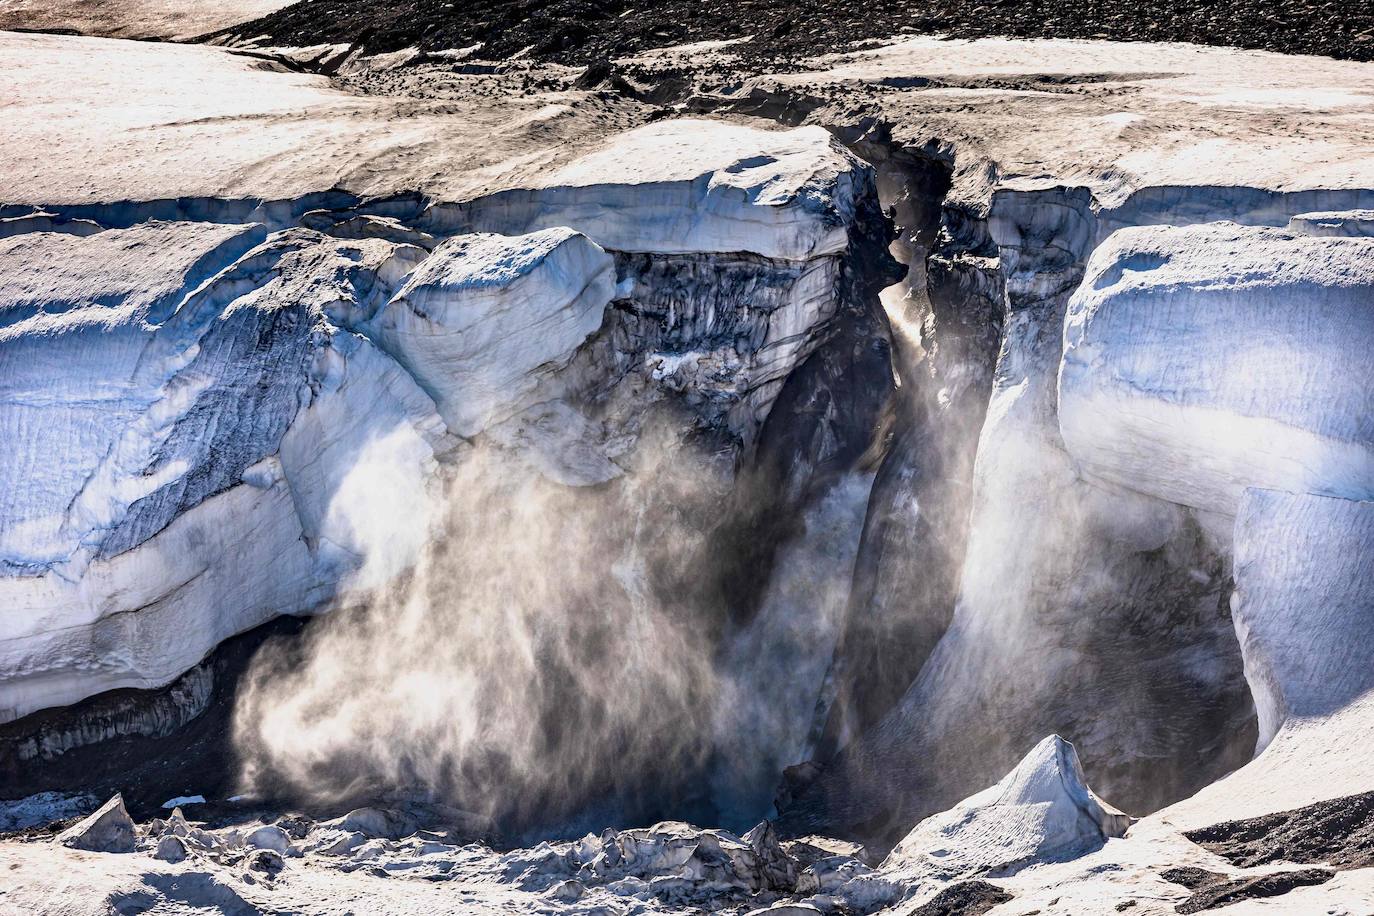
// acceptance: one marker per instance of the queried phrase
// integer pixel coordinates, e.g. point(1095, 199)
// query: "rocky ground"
point(1037, 842)
point(584, 31)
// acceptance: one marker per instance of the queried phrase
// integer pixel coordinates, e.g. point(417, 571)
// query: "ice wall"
point(189, 477)
point(250, 421)
point(1202, 360)
point(1304, 603)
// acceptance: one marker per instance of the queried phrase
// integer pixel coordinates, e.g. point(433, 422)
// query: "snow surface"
point(1139, 116)
point(1118, 118)
point(165, 19)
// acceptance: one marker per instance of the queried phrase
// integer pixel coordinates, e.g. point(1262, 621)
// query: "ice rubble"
point(228, 391)
point(1041, 812)
point(301, 864)
point(1202, 360)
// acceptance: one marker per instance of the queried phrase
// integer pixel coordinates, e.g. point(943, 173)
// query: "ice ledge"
point(688, 186)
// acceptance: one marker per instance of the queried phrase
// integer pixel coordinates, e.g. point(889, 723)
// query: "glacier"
point(903, 410)
point(1148, 402)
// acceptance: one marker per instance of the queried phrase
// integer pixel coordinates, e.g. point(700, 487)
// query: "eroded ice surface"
point(476, 320)
point(1042, 811)
point(1202, 360)
point(693, 185)
point(1304, 603)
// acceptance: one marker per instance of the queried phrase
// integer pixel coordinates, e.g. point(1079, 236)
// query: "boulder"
point(376, 823)
point(269, 836)
point(171, 849)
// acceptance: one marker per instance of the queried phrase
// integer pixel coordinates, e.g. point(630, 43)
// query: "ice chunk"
point(269, 836)
point(108, 829)
point(482, 313)
point(171, 849)
point(1205, 359)
point(1042, 811)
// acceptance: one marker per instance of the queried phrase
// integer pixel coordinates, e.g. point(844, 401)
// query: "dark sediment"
point(1211, 890)
point(1338, 832)
point(967, 898)
point(148, 744)
point(585, 31)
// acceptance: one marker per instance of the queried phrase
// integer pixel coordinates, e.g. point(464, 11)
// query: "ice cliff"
point(178, 393)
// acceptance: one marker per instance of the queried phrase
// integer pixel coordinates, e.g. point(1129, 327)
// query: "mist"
point(558, 658)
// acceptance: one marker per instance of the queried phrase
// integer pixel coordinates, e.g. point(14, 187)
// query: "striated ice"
point(79, 371)
point(1202, 360)
point(476, 320)
point(1304, 603)
point(209, 423)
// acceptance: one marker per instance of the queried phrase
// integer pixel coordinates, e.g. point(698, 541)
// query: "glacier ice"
point(482, 313)
point(1304, 603)
point(688, 185)
point(286, 396)
point(1042, 811)
point(78, 370)
point(108, 829)
point(1202, 360)
point(255, 373)
point(204, 403)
